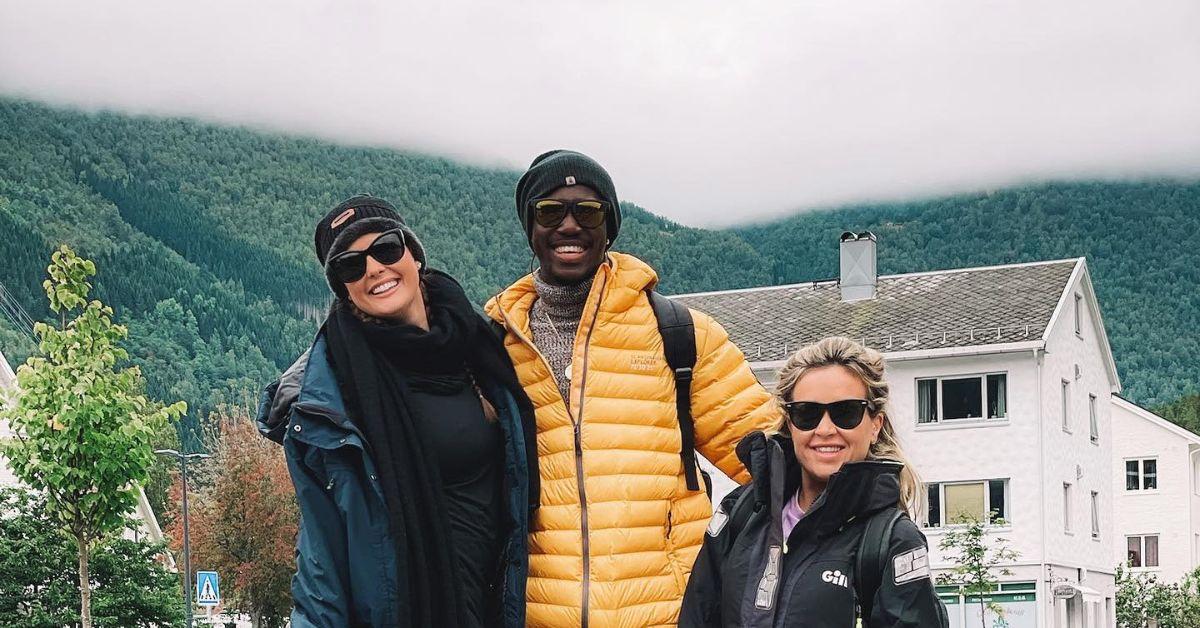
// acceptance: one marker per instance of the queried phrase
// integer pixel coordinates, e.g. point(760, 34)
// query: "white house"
point(1156, 492)
point(1001, 379)
point(147, 522)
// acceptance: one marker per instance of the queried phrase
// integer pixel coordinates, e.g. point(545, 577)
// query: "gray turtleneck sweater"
point(554, 319)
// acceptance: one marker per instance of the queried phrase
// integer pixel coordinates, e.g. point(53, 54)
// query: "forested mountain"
point(203, 239)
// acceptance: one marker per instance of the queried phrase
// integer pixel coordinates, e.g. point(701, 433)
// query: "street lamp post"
point(187, 557)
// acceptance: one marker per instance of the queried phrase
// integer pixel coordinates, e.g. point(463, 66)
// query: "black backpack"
point(679, 346)
point(868, 559)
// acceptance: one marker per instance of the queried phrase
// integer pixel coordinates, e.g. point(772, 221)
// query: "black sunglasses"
point(846, 413)
point(350, 266)
point(550, 212)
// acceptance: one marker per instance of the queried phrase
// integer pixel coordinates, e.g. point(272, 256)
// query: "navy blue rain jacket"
point(345, 558)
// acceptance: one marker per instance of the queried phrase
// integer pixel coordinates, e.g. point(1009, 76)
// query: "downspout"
point(1037, 364)
point(1192, 451)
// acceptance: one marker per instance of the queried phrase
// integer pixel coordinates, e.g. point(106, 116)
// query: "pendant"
point(567, 372)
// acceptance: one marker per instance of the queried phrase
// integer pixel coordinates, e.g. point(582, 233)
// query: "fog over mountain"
point(709, 112)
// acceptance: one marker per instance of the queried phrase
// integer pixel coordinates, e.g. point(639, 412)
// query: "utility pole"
point(187, 556)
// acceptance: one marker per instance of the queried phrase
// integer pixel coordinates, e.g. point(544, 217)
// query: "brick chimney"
point(858, 266)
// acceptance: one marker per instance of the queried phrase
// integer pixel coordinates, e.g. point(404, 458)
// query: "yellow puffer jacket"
point(617, 532)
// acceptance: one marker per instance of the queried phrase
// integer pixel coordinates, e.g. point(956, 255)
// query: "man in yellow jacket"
point(617, 530)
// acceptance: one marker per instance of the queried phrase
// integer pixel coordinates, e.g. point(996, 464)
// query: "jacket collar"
point(309, 381)
point(627, 278)
point(857, 490)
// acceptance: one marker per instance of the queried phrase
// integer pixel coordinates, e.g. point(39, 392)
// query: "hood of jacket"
point(857, 490)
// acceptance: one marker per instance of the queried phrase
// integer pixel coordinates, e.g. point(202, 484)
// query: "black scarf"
point(373, 362)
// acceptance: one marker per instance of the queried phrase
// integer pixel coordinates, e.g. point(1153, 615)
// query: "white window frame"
point(1066, 406)
point(1142, 544)
point(1141, 460)
point(1096, 515)
point(941, 398)
point(1067, 508)
point(1079, 315)
point(1093, 420)
point(987, 500)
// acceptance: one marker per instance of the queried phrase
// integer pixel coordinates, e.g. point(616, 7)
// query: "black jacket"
point(752, 576)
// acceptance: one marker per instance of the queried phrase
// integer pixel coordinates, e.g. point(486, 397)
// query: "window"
point(1141, 475)
point(1093, 420)
point(955, 398)
point(1067, 507)
point(1078, 314)
point(1066, 406)
point(1095, 515)
point(1142, 550)
point(952, 503)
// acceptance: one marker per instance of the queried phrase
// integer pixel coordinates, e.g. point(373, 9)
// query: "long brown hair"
point(868, 365)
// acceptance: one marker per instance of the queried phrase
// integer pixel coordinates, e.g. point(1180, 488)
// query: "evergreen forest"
point(202, 235)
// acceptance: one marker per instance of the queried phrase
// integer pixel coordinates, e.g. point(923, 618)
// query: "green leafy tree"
point(39, 582)
point(1144, 601)
point(82, 426)
point(978, 561)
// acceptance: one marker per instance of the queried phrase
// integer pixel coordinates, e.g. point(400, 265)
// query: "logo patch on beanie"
point(342, 218)
point(571, 180)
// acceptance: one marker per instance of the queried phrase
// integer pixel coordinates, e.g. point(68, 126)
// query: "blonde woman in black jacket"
point(821, 537)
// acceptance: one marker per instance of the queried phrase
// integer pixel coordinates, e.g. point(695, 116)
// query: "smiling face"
point(568, 253)
point(388, 291)
point(822, 451)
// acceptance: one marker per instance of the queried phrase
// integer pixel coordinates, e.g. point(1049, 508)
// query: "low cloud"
point(706, 112)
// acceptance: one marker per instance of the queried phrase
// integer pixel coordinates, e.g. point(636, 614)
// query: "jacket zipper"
point(577, 422)
point(583, 510)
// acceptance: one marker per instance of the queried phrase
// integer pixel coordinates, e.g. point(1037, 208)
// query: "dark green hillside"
point(203, 237)
point(203, 234)
point(1140, 241)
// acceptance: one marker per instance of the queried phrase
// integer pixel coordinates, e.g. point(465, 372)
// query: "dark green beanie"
point(552, 170)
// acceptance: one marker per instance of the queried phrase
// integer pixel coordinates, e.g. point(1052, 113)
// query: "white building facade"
point(1156, 493)
point(1000, 380)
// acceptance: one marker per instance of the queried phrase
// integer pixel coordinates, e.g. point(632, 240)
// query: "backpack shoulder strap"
point(679, 345)
point(869, 563)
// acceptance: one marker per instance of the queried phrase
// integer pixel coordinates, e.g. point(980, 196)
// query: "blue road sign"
point(208, 588)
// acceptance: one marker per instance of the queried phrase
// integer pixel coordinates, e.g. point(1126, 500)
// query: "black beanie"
point(350, 220)
point(552, 170)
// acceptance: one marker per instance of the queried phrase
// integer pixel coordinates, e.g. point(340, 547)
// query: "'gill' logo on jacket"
point(835, 577)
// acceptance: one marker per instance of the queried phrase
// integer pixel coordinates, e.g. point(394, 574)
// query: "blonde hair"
point(868, 365)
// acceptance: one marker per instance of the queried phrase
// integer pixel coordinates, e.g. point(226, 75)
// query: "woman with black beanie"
point(409, 441)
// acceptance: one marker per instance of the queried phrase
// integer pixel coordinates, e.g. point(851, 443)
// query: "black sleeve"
point(702, 598)
point(906, 597)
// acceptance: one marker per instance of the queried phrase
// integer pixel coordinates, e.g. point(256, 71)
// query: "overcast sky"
point(706, 112)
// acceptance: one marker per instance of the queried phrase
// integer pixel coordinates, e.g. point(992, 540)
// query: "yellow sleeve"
point(727, 400)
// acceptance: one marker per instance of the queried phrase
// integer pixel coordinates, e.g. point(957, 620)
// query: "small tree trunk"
point(85, 583)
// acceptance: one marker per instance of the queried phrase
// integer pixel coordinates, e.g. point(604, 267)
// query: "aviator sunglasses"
point(846, 414)
point(550, 213)
point(350, 266)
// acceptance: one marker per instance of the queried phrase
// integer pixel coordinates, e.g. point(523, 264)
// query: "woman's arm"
point(702, 598)
point(320, 588)
point(906, 596)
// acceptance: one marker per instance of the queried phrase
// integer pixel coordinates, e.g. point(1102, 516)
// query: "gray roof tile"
point(956, 308)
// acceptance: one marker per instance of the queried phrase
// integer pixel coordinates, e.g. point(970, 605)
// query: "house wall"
point(1071, 456)
point(962, 450)
point(1169, 511)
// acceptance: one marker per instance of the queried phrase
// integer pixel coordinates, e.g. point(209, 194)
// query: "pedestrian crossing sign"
point(208, 588)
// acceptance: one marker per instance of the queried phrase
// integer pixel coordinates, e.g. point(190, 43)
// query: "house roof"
point(1152, 418)
point(8, 379)
point(970, 307)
